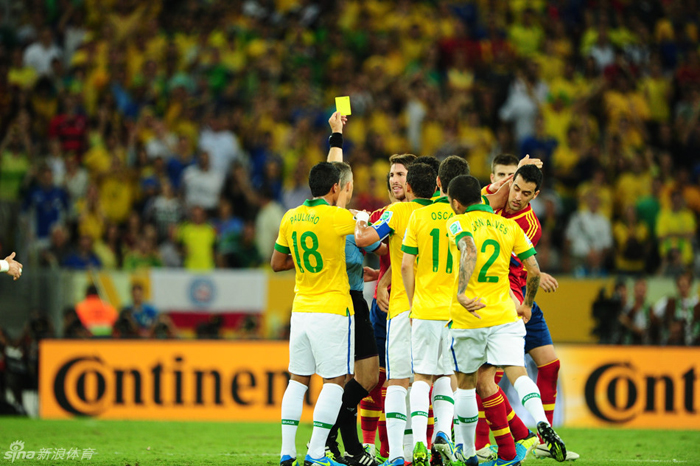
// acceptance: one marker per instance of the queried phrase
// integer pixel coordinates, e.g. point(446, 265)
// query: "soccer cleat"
point(361, 459)
point(541, 451)
point(420, 455)
point(333, 452)
point(557, 449)
point(287, 460)
point(435, 457)
point(323, 461)
point(487, 454)
point(529, 442)
point(499, 462)
point(395, 462)
point(371, 449)
point(446, 448)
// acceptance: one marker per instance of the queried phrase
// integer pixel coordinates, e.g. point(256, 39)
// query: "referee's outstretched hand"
point(15, 267)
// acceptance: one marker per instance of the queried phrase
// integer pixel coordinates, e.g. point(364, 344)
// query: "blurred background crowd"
point(176, 134)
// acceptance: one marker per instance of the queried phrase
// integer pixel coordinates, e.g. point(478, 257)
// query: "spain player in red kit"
point(538, 341)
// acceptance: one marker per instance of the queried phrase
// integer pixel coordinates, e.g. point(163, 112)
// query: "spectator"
point(181, 159)
point(675, 228)
point(169, 249)
point(96, 315)
point(83, 257)
point(298, 191)
point(72, 326)
point(245, 253)
point(675, 318)
point(58, 249)
point(540, 145)
point(76, 182)
point(228, 232)
point(70, 127)
point(267, 223)
point(202, 184)
point(45, 205)
point(198, 239)
point(144, 255)
point(220, 143)
point(632, 243)
point(635, 316)
point(108, 249)
point(589, 235)
point(40, 54)
point(144, 314)
point(164, 210)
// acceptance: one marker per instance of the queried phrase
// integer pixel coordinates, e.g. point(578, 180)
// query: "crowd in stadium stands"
point(140, 134)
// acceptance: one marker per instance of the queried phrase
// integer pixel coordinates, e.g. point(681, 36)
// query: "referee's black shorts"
point(365, 343)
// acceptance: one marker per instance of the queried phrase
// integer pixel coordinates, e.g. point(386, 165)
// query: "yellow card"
point(342, 105)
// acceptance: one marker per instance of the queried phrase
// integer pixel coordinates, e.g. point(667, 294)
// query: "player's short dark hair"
point(322, 177)
point(450, 168)
point(504, 159)
point(530, 174)
point(402, 159)
point(421, 177)
point(429, 160)
point(466, 189)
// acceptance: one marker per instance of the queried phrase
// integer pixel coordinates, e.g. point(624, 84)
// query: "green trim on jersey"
point(442, 199)
point(409, 250)
point(282, 249)
point(459, 237)
point(485, 200)
point(479, 207)
point(422, 201)
point(315, 202)
point(529, 253)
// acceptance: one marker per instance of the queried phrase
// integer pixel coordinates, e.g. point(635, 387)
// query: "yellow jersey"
point(496, 238)
point(393, 223)
point(314, 234)
point(426, 237)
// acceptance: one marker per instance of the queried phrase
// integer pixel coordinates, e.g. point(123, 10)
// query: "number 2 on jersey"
point(308, 252)
point(435, 233)
point(483, 278)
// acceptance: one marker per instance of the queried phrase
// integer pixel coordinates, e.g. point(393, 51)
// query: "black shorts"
point(365, 344)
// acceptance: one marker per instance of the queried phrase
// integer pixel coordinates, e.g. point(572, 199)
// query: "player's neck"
point(511, 212)
point(328, 198)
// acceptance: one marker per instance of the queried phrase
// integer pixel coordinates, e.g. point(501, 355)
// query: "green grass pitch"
point(120, 443)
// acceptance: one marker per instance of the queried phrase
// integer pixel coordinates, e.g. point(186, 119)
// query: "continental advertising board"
point(184, 380)
point(640, 387)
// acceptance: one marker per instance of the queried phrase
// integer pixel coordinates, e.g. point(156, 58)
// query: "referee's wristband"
point(336, 140)
point(362, 217)
point(4, 266)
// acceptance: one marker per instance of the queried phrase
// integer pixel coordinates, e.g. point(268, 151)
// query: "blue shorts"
point(378, 319)
point(537, 332)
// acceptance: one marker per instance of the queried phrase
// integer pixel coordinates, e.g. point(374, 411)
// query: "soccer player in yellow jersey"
point(420, 186)
point(486, 326)
point(429, 292)
point(312, 240)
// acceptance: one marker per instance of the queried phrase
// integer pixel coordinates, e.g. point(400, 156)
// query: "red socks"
point(495, 410)
point(371, 409)
point(547, 377)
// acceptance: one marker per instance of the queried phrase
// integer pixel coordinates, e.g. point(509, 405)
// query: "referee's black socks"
point(347, 418)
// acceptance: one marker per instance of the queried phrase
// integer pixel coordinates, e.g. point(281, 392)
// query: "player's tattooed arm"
point(533, 280)
point(467, 263)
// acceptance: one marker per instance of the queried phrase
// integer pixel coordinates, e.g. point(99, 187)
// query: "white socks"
point(420, 404)
point(292, 404)
point(467, 411)
point(529, 396)
point(443, 405)
point(395, 408)
point(325, 414)
point(408, 430)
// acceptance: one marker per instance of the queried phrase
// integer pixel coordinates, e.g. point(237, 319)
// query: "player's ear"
point(537, 193)
point(439, 185)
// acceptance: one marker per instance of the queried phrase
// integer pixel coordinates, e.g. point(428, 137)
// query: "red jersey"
point(385, 260)
point(530, 224)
